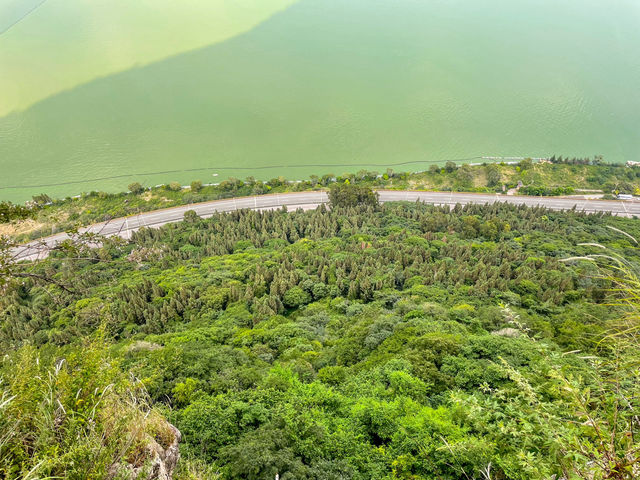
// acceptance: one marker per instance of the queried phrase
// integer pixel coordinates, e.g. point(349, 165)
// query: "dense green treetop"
point(397, 341)
point(347, 195)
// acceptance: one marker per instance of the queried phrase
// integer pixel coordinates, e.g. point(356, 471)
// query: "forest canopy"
point(401, 341)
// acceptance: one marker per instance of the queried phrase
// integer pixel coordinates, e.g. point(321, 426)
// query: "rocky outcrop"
point(507, 332)
point(164, 460)
point(160, 464)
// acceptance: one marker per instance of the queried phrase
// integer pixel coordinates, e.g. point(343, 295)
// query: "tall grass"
point(77, 417)
point(609, 408)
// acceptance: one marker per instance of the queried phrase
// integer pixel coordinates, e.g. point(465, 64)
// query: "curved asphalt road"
point(309, 200)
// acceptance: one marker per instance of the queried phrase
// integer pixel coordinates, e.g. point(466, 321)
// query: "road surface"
point(124, 227)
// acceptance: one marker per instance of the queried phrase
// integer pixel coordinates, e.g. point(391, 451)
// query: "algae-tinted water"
point(338, 85)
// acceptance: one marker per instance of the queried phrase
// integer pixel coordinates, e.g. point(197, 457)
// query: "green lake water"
point(330, 86)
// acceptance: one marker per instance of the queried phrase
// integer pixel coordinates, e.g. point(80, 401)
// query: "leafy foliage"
point(396, 341)
point(559, 177)
point(347, 195)
point(10, 212)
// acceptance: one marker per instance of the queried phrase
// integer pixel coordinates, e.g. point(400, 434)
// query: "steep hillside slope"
point(402, 341)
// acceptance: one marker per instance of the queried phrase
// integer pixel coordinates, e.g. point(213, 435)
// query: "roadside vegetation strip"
point(561, 176)
point(124, 226)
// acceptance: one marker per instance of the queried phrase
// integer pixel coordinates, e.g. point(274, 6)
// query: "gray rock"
point(160, 465)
